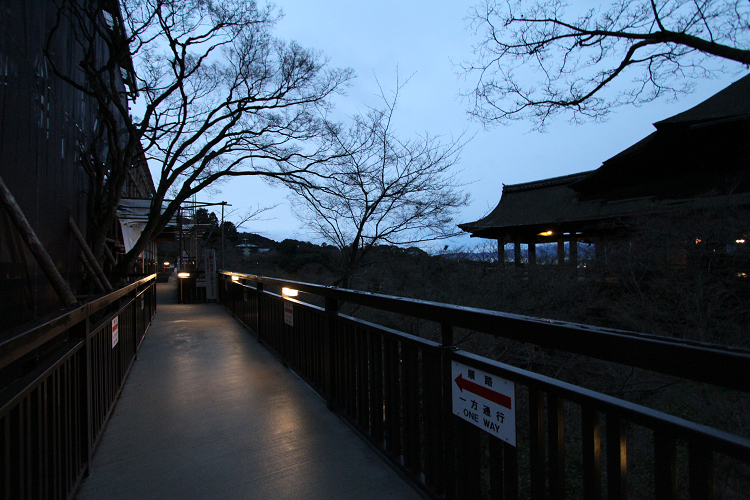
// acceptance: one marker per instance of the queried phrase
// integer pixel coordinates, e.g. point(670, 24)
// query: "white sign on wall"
point(288, 313)
point(485, 400)
point(115, 331)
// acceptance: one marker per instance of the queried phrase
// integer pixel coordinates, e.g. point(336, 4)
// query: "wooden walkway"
point(208, 413)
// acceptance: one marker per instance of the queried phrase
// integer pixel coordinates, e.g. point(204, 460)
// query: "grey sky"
point(424, 40)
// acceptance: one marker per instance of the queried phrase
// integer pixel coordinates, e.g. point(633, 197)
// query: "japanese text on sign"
point(485, 400)
point(115, 331)
point(288, 313)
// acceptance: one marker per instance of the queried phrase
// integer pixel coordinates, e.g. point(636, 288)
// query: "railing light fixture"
point(183, 275)
point(166, 263)
point(289, 292)
point(235, 278)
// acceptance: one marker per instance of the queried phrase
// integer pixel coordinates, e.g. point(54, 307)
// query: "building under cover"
point(697, 160)
point(47, 128)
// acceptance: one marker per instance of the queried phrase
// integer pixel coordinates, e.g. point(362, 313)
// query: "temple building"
point(695, 161)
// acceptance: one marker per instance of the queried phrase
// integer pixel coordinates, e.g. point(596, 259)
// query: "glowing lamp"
point(166, 263)
point(545, 233)
point(183, 275)
point(740, 241)
point(235, 278)
point(289, 292)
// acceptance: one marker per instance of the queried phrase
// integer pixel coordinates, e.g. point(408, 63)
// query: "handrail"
point(719, 440)
point(34, 334)
point(400, 392)
point(715, 364)
point(9, 398)
point(70, 389)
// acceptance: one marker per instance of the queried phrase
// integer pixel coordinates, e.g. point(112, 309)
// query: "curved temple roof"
point(697, 159)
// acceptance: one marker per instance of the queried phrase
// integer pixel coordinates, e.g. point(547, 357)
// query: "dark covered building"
point(696, 161)
point(46, 125)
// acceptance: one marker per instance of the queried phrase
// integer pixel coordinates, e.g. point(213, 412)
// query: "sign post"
point(211, 275)
point(485, 400)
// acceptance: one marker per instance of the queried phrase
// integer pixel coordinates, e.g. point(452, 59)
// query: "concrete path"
point(208, 413)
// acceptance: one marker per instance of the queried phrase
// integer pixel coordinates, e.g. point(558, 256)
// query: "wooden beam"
point(91, 272)
point(37, 249)
point(110, 257)
point(89, 255)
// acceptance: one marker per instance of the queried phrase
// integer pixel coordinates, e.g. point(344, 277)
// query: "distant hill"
point(257, 240)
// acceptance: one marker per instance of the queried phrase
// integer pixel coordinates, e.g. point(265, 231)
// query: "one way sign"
point(485, 400)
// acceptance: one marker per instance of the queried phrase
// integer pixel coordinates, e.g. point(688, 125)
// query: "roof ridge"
point(731, 101)
point(552, 181)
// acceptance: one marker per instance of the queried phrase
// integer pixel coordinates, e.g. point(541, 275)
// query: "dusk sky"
point(426, 40)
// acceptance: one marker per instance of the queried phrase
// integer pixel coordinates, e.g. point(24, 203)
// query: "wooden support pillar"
point(517, 253)
point(560, 252)
point(574, 253)
point(532, 254)
point(597, 254)
point(501, 251)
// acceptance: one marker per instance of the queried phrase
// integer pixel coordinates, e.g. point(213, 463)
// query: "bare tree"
point(253, 215)
point(217, 96)
point(382, 189)
point(533, 62)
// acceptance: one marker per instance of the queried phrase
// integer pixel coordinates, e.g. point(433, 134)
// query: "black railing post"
point(556, 445)
point(153, 302)
point(592, 453)
point(329, 347)
point(665, 466)
point(449, 440)
point(258, 302)
point(700, 471)
point(89, 418)
point(136, 313)
point(536, 444)
point(617, 461)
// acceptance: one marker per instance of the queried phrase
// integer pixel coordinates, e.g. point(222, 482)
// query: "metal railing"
point(64, 375)
point(398, 391)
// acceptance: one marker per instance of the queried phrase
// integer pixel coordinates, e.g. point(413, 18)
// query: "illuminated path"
point(208, 413)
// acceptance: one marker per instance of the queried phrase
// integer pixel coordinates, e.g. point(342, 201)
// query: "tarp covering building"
point(45, 125)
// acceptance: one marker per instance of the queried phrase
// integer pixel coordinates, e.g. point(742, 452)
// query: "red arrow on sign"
point(483, 392)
